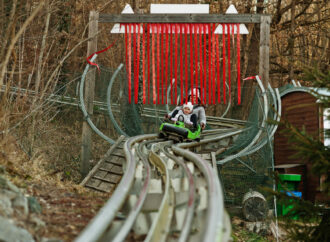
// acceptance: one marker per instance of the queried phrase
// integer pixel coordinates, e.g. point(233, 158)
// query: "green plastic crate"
point(290, 182)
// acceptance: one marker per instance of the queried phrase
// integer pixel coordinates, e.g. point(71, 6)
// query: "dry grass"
point(45, 164)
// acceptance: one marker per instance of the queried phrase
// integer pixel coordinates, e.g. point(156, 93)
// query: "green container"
point(283, 210)
point(289, 182)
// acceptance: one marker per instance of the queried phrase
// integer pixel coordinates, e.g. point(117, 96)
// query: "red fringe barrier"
point(186, 26)
point(205, 63)
point(143, 62)
point(126, 56)
point(126, 51)
point(134, 58)
point(162, 58)
point(210, 65)
point(167, 31)
point(148, 60)
point(137, 65)
point(196, 57)
point(228, 54)
point(191, 59)
point(200, 26)
point(176, 62)
point(238, 66)
point(158, 60)
point(223, 63)
point(204, 43)
point(181, 62)
point(129, 62)
point(153, 26)
point(213, 63)
point(171, 61)
point(218, 68)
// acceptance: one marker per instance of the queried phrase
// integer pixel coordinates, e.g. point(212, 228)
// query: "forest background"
point(43, 48)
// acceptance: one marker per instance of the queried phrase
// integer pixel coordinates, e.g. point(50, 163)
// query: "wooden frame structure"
point(94, 18)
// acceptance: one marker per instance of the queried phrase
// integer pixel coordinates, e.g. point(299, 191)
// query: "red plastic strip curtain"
point(205, 70)
point(213, 63)
point(200, 27)
point(176, 60)
point(162, 58)
point(158, 60)
point(196, 56)
point(228, 54)
point(223, 63)
point(129, 62)
point(154, 27)
point(186, 59)
point(166, 58)
point(181, 61)
point(148, 60)
point(143, 62)
point(238, 66)
point(210, 65)
point(232, 35)
point(171, 61)
point(136, 86)
point(191, 60)
point(134, 58)
point(126, 50)
point(218, 67)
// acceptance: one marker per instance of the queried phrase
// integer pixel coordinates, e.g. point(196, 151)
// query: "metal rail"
point(191, 202)
point(214, 217)
point(121, 235)
point(100, 228)
point(94, 231)
point(161, 224)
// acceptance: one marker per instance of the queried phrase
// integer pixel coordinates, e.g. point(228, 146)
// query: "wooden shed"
point(308, 115)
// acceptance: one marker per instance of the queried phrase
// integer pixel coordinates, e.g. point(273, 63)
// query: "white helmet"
point(188, 105)
point(194, 91)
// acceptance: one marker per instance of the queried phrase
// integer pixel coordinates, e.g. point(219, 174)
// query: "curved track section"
point(167, 193)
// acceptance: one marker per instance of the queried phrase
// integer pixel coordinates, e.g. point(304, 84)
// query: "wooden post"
point(264, 49)
point(89, 95)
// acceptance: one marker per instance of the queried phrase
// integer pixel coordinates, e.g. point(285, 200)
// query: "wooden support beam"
point(89, 95)
point(264, 50)
point(181, 18)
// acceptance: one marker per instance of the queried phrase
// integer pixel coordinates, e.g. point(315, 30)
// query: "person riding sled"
point(198, 111)
point(186, 115)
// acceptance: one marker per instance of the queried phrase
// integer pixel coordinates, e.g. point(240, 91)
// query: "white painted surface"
point(179, 8)
point(117, 29)
point(242, 28)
